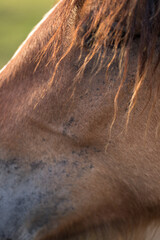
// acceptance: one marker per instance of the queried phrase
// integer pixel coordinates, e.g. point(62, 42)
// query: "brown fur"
point(107, 22)
point(86, 68)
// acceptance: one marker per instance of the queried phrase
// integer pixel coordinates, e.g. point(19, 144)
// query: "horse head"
point(79, 125)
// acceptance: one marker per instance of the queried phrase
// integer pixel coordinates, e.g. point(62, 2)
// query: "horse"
point(79, 125)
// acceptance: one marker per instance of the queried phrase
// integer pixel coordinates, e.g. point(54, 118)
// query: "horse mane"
point(100, 24)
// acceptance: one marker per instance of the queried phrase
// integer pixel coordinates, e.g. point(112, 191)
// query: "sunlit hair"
point(112, 23)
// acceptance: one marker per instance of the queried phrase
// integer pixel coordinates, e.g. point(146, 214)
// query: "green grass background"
point(17, 19)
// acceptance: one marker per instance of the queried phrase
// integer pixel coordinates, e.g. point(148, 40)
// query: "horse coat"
point(79, 125)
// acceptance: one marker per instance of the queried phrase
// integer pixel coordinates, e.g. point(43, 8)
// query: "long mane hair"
point(112, 23)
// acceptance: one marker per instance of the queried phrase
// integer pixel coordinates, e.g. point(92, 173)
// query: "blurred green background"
point(17, 19)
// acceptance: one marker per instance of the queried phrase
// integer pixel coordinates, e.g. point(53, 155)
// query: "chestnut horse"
point(80, 125)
